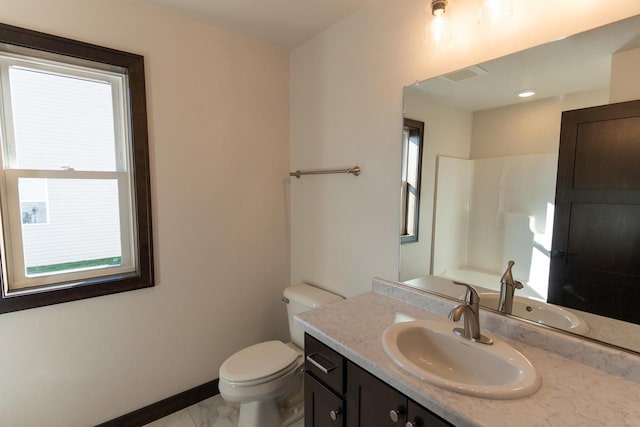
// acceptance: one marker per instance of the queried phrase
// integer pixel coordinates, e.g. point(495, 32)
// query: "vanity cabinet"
point(372, 402)
point(340, 393)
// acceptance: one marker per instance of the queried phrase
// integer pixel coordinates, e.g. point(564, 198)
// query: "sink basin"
point(430, 351)
point(539, 311)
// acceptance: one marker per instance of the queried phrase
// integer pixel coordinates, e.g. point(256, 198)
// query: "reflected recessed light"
point(526, 93)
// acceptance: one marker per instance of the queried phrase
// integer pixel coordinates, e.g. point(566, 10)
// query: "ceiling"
point(575, 64)
point(283, 23)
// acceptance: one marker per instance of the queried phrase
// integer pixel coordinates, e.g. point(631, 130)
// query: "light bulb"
point(439, 30)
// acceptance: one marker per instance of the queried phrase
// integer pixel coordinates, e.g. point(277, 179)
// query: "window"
point(74, 187)
point(412, 136)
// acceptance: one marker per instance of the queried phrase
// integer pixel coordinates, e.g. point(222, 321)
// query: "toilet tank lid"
point(310, 296)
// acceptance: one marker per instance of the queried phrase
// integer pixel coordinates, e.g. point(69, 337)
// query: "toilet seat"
point(259, 363)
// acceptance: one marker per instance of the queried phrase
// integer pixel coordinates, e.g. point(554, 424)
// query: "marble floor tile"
point(177, 419)
point(214, 412)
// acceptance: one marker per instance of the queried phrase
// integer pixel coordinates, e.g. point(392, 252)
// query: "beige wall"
point(527, 128)
point(346, 108)
point(625, 85)
point(218, 119)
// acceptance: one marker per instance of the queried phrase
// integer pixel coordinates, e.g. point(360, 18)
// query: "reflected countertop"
point(600, 328)
point(583, 383)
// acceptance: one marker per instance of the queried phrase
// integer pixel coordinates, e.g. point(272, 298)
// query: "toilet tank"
point(303, 297)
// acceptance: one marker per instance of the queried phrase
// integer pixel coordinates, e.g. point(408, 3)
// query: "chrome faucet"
point(470, 311)
point(508, 287)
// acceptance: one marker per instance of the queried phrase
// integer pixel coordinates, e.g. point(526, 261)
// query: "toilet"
point(266, 378)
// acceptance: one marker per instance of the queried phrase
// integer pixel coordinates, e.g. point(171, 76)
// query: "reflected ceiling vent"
point(465, 74)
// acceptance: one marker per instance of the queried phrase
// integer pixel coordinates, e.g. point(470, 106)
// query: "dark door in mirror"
point(595, 263)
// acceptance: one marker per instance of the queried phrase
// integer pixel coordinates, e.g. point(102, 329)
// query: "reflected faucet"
point(470, 311)
point(508, 287)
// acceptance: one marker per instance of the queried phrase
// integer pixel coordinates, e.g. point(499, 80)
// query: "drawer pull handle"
point(395, 414)
point(313, 359)
point(334, 415)
point(410, 424)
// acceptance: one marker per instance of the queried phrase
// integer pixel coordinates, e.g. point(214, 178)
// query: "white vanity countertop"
point(571, 394)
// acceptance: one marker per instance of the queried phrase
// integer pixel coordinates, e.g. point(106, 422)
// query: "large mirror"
point(489, 174)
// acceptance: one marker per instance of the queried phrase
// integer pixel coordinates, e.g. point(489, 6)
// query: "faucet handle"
point(507, 276)
point(518, 285)
point(471, 296)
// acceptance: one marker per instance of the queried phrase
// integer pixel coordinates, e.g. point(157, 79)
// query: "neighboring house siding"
point(83, 224)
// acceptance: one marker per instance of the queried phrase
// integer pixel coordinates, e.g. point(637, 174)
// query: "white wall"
point(503, 190)
point(218, 119)
point(451, 222)
point(346, 108)
point(487, 211)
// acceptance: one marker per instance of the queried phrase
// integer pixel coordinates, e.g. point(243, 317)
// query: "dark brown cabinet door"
point(421, 417)
point(322, 408)
point(595, 259)
point(371, 402)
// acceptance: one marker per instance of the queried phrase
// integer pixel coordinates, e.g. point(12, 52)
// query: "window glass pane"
point(83, 228)
point(33, 201)
point(61, 122)
point(412, 163)
point(405, 153)
point(403, 206)
point(34, 212)
point(411, 214)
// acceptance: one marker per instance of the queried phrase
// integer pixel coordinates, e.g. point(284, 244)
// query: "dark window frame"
point(416, 130)
point(144, 276)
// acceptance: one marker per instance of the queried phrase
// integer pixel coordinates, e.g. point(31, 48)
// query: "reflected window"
point(412, 137)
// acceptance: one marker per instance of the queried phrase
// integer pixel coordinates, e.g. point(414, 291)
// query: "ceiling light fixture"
point(439, 30)
point(494, 11)
point(526, 93)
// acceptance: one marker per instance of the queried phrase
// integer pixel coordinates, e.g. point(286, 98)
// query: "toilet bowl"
point(267, 378)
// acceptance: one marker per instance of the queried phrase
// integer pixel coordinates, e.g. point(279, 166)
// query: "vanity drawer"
point(324, 363)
